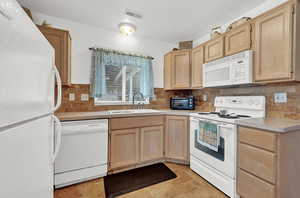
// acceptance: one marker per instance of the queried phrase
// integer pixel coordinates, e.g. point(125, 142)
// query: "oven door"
point(224, 159)
point(217, 73)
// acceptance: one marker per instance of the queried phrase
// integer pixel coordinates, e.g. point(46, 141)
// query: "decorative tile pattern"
point(161, 101)
point(187, 185)
point(290, 110)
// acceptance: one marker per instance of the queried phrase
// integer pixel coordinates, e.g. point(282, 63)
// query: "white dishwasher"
point(83, 153)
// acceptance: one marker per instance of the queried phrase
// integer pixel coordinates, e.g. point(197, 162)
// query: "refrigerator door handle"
point(59, 89)
point(58, 131)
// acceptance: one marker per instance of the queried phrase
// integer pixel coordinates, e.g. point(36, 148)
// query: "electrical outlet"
point(204, 97)
point(154, 98)
point(84, 97)
point(280, 97)
point(71, 97)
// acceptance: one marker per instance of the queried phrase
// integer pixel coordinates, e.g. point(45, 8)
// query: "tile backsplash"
point(161, 100)
point(291, 109)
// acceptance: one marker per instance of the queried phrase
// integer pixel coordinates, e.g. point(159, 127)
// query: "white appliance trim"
point(73, 177)
point(221, 181)
point(59, 88)
point(58, 104)
point(229, 135)
point(238, 67)
point(84, 151)
point(209, 164)
point(58, 135)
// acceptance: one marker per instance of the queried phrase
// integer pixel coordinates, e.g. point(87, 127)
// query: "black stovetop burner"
point(228, 116)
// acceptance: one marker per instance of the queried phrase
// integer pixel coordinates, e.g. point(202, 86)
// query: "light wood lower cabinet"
point(177, 138)
point(152, 143)
point(139, 141)
point(135, 141)
point(250, 186)
point(268, 164)
point(124, 149)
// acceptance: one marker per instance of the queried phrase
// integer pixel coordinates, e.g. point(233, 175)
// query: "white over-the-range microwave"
point(228, 71)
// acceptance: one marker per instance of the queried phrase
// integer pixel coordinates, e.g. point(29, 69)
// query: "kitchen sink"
point(131, 111)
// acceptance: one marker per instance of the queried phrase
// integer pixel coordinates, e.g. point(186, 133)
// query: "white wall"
point(85, 36)
point(252, 13)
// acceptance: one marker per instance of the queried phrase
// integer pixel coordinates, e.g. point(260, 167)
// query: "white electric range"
point(219, 168)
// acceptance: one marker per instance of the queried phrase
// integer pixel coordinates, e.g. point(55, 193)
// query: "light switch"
point(84, 97)
point(71, 97)
point(280, 97)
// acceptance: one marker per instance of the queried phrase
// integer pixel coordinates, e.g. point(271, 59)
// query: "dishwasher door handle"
point(77, 132)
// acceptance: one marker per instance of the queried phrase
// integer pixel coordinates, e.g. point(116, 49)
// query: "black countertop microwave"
point(182, 103)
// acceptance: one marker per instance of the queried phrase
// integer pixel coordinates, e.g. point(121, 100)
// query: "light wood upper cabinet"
point(181, 69)
point(214, 49)
point(238, 39)
point(197, 64)
point(168, 71)
point(177, 68)
point(152, 145)
point(273, 44)
point(124, 148)
point(61, 42)
point(177, 138)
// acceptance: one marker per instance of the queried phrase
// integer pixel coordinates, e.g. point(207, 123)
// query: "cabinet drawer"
point(261, 139)
point(249, 186)
point(136, 122)
point(258, 162)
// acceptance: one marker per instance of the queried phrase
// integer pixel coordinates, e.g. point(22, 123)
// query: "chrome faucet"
point(139, 105)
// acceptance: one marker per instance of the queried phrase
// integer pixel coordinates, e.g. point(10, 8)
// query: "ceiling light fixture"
point(127, 28)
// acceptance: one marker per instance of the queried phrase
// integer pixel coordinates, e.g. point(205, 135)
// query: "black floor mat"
point(135, 179)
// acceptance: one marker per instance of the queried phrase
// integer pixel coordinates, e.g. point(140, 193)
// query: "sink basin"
point(131, 111)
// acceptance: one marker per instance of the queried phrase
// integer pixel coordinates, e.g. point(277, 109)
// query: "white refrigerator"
point(27, 123)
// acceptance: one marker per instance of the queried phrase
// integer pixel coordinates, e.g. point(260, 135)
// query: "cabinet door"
point(124, 148)
point(177, 137)
point(61, 42)
point(152, 143)
point(273, 44)
point(181, 69)
point(238, 40)
point(214, 49)
point(197, 63)
point(168, 71)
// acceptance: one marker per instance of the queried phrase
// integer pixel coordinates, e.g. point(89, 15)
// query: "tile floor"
point(187, 185)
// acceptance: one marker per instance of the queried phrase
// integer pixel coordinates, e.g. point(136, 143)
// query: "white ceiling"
point(166, 20)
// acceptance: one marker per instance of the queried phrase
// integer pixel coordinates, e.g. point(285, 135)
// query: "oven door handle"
point(228, 126)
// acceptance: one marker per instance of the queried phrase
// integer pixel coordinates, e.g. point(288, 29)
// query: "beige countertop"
point(271, 124)
point(68, 116)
